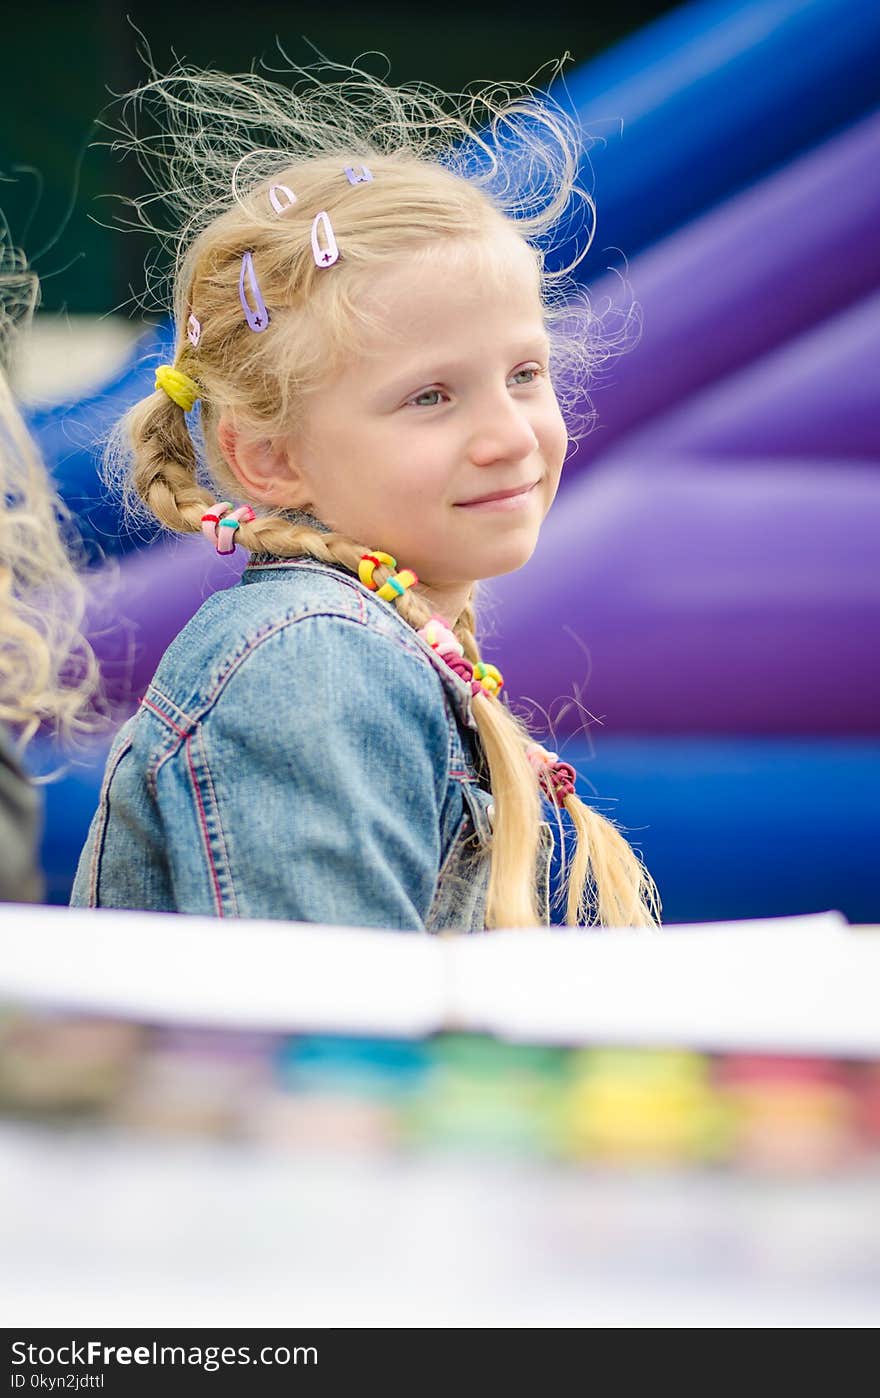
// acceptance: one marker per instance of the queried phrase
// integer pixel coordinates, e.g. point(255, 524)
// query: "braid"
point(164, 475)
point(464, 630)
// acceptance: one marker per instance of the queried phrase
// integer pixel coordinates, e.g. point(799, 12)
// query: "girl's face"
point(451, 403)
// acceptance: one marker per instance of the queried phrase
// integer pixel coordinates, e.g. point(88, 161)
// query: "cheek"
point(553, 437)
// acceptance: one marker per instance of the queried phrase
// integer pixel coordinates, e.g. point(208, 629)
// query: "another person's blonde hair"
point(436, 177)
point(48, 672)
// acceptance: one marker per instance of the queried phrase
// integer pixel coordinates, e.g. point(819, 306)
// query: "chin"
point(507, 559)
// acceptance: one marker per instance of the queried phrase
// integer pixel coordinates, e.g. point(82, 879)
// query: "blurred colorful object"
point(458, 1094)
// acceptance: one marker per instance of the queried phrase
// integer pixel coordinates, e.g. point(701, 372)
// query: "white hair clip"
point(193, 331)
point(281, 198)
point(351, 174)
point(327, 255)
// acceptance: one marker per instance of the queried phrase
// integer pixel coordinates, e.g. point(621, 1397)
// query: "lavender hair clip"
point(327, 255)
point(193, 331)
point(351, 174)
point(257, 316)
point(281, 198)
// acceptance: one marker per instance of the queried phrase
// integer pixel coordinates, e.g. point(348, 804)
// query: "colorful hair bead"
point(368, 564)
point(396, 585)
point(221, 523)
point(487, 677)
point(180, 388)
point(539, 757)
point(439, 637)
point(458, 664)
point(558, 781)
point(555, 778)
point(212, 517)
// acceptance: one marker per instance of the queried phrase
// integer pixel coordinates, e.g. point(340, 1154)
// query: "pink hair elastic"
point(221, 523)
point(556, 778)
point(281, 198)
point(256, 316)
point(439, 636)
point(327, 255)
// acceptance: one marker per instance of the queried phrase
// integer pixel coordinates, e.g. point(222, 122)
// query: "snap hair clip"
point(256, 316)
point(281, 198)
point(351, 174)
point(328, 254)
point(193, 331)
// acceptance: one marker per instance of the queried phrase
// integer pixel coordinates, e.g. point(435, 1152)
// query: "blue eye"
point(428, 393)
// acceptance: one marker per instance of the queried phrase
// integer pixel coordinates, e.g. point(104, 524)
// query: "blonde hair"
point(226, 141)
point(48, 671)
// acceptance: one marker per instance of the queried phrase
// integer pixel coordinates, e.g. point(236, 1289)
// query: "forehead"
point(454, 288)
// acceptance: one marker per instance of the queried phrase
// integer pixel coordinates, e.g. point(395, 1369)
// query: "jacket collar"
point(459, 692)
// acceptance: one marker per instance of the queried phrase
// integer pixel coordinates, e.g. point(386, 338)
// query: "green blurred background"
point(70, 58)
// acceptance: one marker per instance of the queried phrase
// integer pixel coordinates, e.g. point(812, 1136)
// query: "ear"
point(264, 469)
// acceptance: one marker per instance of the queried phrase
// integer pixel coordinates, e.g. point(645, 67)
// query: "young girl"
point(366, 322)
point(48, 673)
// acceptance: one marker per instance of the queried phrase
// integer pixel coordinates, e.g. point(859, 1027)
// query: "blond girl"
point(364, 396)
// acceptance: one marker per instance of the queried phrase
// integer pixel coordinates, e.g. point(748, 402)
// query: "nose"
point(502, 432)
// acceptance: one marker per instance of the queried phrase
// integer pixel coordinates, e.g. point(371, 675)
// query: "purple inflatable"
point(795, 249)
point(817, 396)
point(732, 597)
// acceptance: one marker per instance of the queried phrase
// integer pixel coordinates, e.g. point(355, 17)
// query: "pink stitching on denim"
point(449, 681)
point(204, 823)
point(259, 639)
point(148, 704)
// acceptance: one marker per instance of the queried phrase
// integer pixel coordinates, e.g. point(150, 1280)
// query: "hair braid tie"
point(394, 586)
point(556, 779)
point(181, 389)
point(482, 677)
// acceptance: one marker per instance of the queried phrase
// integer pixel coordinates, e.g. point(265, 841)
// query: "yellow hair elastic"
point(392, 587)
point(181, 389)
point(396, 585)
point(368, 565)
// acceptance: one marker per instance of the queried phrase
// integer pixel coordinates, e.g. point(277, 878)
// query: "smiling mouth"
point(497, 496)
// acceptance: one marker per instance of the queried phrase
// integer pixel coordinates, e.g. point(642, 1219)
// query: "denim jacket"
point(300, 753)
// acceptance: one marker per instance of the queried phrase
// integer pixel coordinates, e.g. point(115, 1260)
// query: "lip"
point(499, 499)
